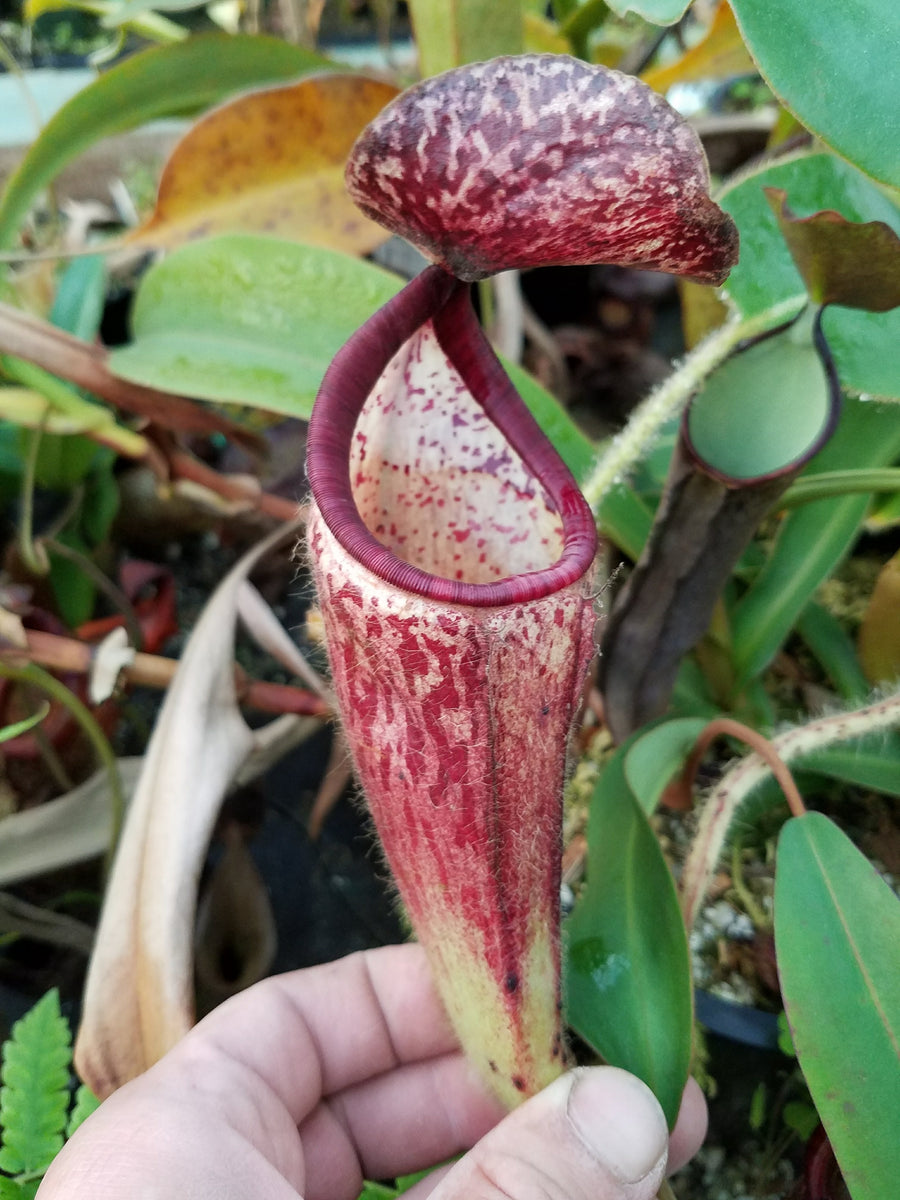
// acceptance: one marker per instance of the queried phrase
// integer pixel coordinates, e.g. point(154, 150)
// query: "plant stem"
point(61, 653)
point(665, 1191)
point(764, 748)
point(53, 762)
point(104, 584)
point(840, 483)
point(754, 911)
point(740, 780)
point(33, 555)
point(53, 351)
point(37, 677)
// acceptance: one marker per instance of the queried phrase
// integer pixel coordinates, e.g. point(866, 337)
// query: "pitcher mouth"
point(439, 298)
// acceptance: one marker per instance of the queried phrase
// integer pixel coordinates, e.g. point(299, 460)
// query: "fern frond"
point(85, 1103)
point(11, 1190)
point(34, 1098)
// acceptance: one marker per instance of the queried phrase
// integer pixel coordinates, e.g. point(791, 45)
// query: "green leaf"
point(85, 1104)
point(800, 1117)
point(34, 1097)
point(658, 12)
point(64, 460)
point(575, 449)
point(837, 932)
point(764, 410)
point(405, 1182)
point(48, 404)
point(101, 502)
point(11, 1190)
point(164, 81)
point(73, 589)
point(627, 969)
point(454, 32)
point(377, 1191)
point(815, 56)
point(253, 320)
point(582, 23)
point(8, 732)
point(834, 650)
point(80, 296)
point(863, 344)
point(812, 540)
point(625, 519)
point(656, 756)
point(869, 762)
point(250, 320)
point(785, 1041)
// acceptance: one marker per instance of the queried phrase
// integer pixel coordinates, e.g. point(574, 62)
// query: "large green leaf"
point(247, 319)
point(657, 754)
point(863, 343)
point(830, 643)
point(164, 81)
point(625, 519)
point(454, 32)
point(627, 969)
point(659, 12)
point(254, 320)
point(869, 762)
point(573, 446)
point(833, 64)
point(812, 540)
point(837, 937)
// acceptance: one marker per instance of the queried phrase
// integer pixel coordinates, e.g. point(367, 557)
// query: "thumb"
point(594, 1134)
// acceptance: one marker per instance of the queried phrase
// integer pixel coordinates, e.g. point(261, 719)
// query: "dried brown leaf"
point(139, 995)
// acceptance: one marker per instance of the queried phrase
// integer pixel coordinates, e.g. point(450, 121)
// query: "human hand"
point(311, 1081)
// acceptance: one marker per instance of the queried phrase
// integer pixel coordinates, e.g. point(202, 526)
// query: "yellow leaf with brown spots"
point(271, 161)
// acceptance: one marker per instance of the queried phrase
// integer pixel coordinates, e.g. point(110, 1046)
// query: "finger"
point(316, 1032)
point(690, 1128)
point(594, 1134)
point(404, 1121)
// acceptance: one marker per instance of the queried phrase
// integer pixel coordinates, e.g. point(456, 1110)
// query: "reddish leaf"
point(542, 159)
point(853, 263)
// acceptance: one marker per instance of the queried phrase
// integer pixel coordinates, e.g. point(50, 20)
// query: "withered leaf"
point(271, 161)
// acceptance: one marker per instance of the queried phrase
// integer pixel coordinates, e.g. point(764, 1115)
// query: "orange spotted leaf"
point(271, 161)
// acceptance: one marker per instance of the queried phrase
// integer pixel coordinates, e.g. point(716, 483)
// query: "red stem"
point(726, 727)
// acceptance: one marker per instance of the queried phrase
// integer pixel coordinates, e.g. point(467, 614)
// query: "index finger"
point(314, 1032)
